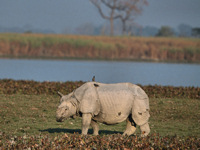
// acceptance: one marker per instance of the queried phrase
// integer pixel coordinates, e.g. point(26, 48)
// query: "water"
point(105, 71)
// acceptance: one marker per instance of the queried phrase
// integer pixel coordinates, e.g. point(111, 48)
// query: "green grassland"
point(27, 119)
point(35, 114)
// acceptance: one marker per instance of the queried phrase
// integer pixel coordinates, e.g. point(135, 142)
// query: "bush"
point(8, 86)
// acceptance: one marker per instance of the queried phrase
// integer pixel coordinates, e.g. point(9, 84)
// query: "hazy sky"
point(58, 15)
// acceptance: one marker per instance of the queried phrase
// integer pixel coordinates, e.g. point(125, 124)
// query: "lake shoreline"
point(96, 59)
point(145, 73)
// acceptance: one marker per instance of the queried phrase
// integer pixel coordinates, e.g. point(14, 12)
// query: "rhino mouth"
point(60, 119)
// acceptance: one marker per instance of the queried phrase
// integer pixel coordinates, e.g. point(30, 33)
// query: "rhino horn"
point(60, 94)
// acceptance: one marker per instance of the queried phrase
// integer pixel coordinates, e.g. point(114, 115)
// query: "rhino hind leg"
point(145, 130)
point(130, 127)
point(95, 127)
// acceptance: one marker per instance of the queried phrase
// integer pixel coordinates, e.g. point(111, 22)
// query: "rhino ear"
point(60, 94)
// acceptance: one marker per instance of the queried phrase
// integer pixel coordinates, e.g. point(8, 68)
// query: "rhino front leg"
point(130, 126)
point(145, 130)
point(86, 121)
point(95, 127)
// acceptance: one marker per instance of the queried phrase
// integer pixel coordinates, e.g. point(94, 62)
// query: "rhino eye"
point(66, 108)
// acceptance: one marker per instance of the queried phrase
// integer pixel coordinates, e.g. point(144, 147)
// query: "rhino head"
point(67, 107)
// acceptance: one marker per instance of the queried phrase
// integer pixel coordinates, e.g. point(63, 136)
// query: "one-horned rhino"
point(108, 104)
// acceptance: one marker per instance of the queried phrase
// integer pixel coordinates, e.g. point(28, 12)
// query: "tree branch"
point(95, 2)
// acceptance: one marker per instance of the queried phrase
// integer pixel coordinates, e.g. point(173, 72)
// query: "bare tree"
point(111, 4)
point(125, 10)
point(129, 10)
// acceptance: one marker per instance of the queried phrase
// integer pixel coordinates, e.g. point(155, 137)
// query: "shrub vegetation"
point(100, 47)
point(8, 86)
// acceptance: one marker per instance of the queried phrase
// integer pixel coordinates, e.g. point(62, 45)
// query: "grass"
point(103, 42)
point(40, 40)
point(35, 114)
point(55, 46)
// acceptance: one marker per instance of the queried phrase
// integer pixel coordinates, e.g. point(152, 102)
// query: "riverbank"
point(43, 46)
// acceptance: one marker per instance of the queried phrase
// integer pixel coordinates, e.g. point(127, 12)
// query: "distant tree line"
point(25, 29)
point(183, 30)
point(196, 32)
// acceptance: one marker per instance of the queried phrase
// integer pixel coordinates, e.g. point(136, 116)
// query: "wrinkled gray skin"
point(108, 104)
